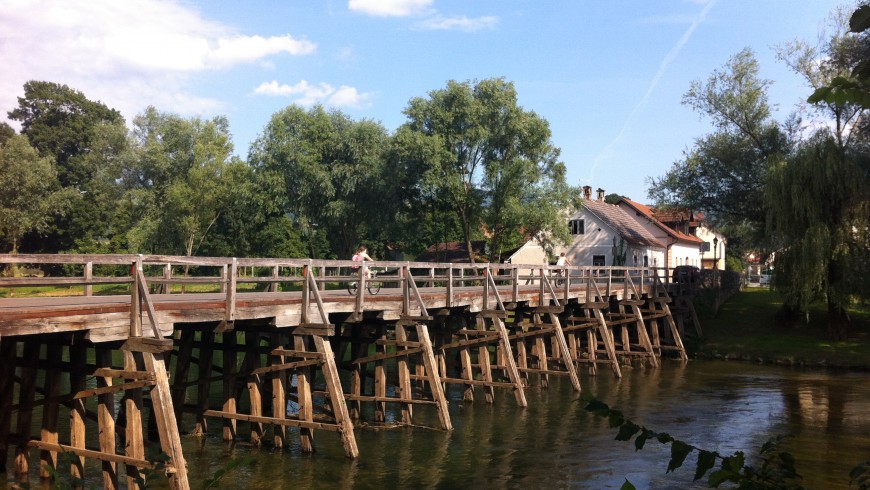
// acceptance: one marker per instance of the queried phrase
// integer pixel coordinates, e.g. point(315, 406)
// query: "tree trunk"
point(838, 322)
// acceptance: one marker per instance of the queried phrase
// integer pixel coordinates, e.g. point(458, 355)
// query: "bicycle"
point(373, 286)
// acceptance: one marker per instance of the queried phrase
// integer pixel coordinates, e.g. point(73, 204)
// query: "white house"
point(605, 235)
point(683, 248)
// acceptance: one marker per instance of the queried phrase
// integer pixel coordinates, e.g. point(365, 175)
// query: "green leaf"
point(641, 440)
point(679, 451)
point(721, 476)
point(627, 430)
point(627, 485)
point(706, 460)
point(860, 20)
point(664, 438)
point(616, 418)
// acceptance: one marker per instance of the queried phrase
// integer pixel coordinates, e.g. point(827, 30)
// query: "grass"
point(746, 328)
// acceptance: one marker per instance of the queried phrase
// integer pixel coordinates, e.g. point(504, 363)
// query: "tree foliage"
point(31, 192)
point(330, 169)
point(489, 162)
point(818, 212)
point(183, 179)
point(724, 173)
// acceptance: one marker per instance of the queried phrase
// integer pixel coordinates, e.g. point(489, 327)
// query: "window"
point(598, 260)
point(577, 226)
point(646, 260)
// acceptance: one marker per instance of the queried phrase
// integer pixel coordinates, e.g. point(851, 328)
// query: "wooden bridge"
point(287, 345)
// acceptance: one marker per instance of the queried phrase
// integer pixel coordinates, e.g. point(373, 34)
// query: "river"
point(554, 443)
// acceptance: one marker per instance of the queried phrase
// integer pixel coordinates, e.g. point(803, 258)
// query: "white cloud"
point(462, 23)
point(307, 94)
point(390, 8)
point(128, 54)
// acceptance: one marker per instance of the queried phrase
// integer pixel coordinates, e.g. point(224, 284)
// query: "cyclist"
point(362, 255)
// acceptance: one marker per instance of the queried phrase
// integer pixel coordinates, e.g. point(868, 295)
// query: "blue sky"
point(608, 75)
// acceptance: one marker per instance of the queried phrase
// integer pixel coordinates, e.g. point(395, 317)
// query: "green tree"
point(31, 192)
point(330, 171)
point(490, 162)
point(182, 179)
point(86, 140)
point(6, 132)
point(724, 173)
point(818, 212)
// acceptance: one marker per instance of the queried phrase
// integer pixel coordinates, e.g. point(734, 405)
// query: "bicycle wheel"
point(374, 287)
point(352, 287)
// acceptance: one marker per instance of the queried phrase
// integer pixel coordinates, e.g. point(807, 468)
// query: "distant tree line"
point(468, 164)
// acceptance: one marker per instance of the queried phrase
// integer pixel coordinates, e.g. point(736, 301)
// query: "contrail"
point(607, 151)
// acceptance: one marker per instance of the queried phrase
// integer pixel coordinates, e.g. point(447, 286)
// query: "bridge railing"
point(166, 274)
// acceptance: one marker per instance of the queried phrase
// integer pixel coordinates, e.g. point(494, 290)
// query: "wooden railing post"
point(515, 284)
point(306, 292)
point(167, 274)
point(406, 289)
point(230, 284)
point(89, 275)
point(135, 300)
point(450, 286)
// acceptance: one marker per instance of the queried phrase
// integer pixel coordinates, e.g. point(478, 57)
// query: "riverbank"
point(745, 328)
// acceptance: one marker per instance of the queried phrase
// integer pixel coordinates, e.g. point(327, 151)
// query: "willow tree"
point(817, 206)
point(495, 167)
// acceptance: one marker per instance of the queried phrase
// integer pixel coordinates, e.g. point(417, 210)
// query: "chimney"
point(587, 192)
point(600, 192)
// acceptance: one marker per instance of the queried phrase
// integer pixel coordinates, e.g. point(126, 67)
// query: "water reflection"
point(554, 443)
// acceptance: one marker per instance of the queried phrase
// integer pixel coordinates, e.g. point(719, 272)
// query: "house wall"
point(684, 254)
point(598, 240)
point(713, 258)
point(530, 253)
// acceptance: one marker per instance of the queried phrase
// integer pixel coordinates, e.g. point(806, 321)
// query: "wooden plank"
point(149, 345)
point(124, 373)
point(111, 389)
point(90, 453)
point(272, 420)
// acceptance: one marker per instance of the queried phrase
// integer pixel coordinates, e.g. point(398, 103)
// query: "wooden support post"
point(336, 398)
point(607, 340)
point(170, 441)
point(404, 391)
point(357, 373)
point(26, 393)
point(564, 351)
point(133, 439)
point(511, 366)
point(89, 275)
point(279, 390)
point(303, 397)
point(675, 332)
point(206, 360)
point(78, 365)
point(643, 336)
point(106, 420)
point(435, 385)
point(228, 344)
point(255, 387)
point(50, 412)
point(484, 361)
point(380, 383)
point(181, 376)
